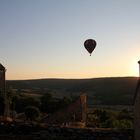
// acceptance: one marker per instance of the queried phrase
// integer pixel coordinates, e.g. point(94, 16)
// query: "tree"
point(49, 104)
point(12, 98)
point(22, 102)
point(122, 124)
point(124, 114)
point(65, 101)
point(32, 113)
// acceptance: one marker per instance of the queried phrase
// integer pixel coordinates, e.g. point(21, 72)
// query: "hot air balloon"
point(90, 45)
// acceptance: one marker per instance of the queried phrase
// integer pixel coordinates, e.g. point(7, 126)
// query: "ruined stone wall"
point(74, 112)
point(58, 133)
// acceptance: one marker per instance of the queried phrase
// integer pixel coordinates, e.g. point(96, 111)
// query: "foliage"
point(46, 103)
point(21, 102)
point(122, 123)
point(120, 89)
point(65, 101)
point(11, 96)
point(32, 113)
point(49, 104)
point(110, 119)
point(124, 114)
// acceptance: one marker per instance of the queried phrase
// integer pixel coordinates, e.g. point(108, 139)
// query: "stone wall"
point(76, 111)
point(59, 133)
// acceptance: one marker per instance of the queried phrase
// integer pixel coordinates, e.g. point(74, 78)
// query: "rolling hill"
point(105, 91)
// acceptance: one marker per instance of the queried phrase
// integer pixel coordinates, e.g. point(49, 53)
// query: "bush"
point(122, 124)
point(32, 113)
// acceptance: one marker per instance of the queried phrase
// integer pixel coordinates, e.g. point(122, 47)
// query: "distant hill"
point(105, 91)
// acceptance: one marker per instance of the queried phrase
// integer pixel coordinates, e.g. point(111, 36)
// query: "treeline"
point(99, 90)
point(31, 106)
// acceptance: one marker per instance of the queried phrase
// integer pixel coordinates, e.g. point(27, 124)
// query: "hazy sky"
point(44, 38)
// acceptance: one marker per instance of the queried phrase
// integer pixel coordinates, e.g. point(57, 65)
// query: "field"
point(100, 91)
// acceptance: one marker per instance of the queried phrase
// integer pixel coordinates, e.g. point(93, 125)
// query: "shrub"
point(32, 113)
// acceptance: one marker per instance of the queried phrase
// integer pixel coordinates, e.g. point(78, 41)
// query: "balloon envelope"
point(90, 45)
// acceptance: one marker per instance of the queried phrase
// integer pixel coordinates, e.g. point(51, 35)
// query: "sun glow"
point(134, 70)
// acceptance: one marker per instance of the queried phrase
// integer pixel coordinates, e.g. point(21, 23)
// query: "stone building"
point(3, 90)
point(2, 80)
point(74, 114)
point(137, 110)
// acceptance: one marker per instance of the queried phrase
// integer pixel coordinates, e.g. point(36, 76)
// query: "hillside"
point(109, 91)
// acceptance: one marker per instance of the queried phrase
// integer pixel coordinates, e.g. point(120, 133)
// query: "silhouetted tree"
point(32, 113)
point(11, 95)
point(124, 114)
point(22, 102)
point(50, 104)
point(65, 101)
point(47, 103)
